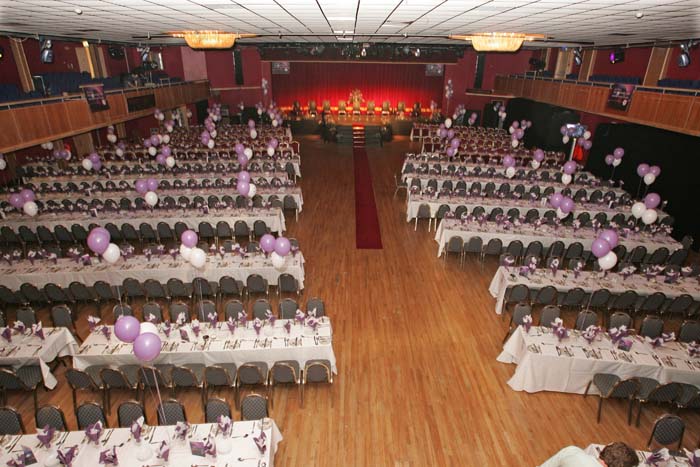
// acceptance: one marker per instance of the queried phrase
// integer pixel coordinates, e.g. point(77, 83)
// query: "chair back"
point(584, 319)
point(130, 411)
point(62, 316)
point(121, 309)
point(10, 422)
point(254, 407)
point(90, 413)
point(215, 408)
point(318, 371)
point(50, 415)
point(171, 412)
point(79, 379)
point(217, 376)
point(652, 327)
point(252, 373)
point(620, 318)
point(152, 312)
point(549, 314)
point(27, 316)
point(668, 430)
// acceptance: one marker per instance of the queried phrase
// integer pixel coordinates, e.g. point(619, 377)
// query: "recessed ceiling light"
point(346, 31)
point(639, 14)
point(78, 11)
point(341, 18)
point(344, 38)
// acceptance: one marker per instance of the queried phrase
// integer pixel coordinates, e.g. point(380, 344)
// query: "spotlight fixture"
point(684, 57)
point(578, 56)
point(46, 54)
point(143, 53)
point(617, 56)
point(78, 11)
point(417, 52)
point(2, 53)
point(363, 53)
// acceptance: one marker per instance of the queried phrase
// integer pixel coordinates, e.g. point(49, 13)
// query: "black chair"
point(611, 386)
point(667, 430)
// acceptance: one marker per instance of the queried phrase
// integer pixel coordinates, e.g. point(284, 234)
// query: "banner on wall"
point(620, 96)
point(95, 96)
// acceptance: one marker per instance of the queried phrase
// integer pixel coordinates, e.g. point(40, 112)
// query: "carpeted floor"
point(368, 235)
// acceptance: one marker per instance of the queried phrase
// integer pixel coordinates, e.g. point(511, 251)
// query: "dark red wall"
point(8, 67)
point(172, 62)
point(635, 64)
point(692, 71)
point(64, 57)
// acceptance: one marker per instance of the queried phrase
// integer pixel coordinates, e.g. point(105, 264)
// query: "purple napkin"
point(167, 327)
point(657, 458)
point(38, 331)
point(312, 323)
point(242, 318)
point(17, 460)
point(45, 436)
point(618, 333)
point(559, 330)
point(213, 320)
point(288, 326)
point(137, 428)
point(107, 333)
point(181, 429)
point(109, 457)
point(625, 344)
point(527, 322)
point(7, 334)
point(20, 327)
point(195, 327)
point(260, 442)
point(184, 336)
point(591, 333)
point(693, 351)
point(164, 450)
point(299, 317)
point(210, 447)
point(231, 323)
point(554, 266)
point(270, 317)
point(94, 431)
point(257, 325)
point(224, 423)
point(693, 457)
point(67, 455)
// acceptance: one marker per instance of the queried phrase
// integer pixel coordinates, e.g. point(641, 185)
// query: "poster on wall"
point(95, 96)
point(620, 96)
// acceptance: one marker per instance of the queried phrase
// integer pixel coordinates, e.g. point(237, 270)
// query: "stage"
point(310, 125)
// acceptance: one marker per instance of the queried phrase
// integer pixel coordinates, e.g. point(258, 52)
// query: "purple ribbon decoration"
point(137, 429)
point(184, 336)
point(527, 323)
point(94, 431)
point(107, 333)
point(288, 326)
point(181, 429)
point(45, 436)
point(270, 317)
point(242, 318)
point(38, 331)
point(67, 456)
point(167, 328)
point(109, 457)
point(164, 450)
point(231, 323)
point(257, 325)
point(195, 327)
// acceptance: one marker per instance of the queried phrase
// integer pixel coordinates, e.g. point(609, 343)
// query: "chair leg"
point(600, 407)
point(639, 411)
point(629, 411)
point(588, 386)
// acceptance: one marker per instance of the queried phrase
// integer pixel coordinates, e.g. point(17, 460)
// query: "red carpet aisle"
point(367, 233)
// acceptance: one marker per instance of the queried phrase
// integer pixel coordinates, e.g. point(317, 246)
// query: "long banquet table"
point(28, 349)
point(546, 234)
point(273, 217)
point(589, 281)
point(159, 268)
point(273, 344)
point(244, 450)
point(546, 364)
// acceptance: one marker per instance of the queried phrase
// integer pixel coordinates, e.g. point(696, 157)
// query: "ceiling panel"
point(428, 21)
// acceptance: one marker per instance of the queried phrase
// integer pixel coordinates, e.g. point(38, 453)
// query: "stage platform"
point(309, 126)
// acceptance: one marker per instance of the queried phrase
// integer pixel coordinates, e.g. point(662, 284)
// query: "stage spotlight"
point(684, 57)
point(578, 56)
point(46, 55)
point(363, 53)
point(417, 53)
point(2, 53)
point(617, 56)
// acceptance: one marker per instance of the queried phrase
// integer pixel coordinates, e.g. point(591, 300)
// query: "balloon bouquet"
point(602, 248)
point(92, 162)
point(569, 170)
point(509, 164)
point(24, 200)
point(646, 209)
point(647, 175)
point(278, 248)
point(614, 160)
point(537, 158)
point(563, 204)
point(148, 188)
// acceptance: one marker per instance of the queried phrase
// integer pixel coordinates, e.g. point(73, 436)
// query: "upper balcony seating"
point(615, 79)
point(679, 83)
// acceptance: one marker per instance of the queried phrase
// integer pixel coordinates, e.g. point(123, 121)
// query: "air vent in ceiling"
point(620, 34)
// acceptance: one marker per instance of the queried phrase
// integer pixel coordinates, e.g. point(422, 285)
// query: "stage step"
point(358, 136)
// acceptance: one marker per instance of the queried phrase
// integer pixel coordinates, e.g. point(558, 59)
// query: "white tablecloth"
point(88, 455)
point(27, 349)
point(273, 217)
point(244, 345)
point(674, 461)
point(139, 268)
point(414, 202)
point(589, 281)
point(546, 234)
point(541, 368)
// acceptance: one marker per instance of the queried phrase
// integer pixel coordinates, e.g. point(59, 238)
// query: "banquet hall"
point(315, 233)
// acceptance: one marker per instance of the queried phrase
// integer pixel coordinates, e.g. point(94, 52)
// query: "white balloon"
point(3, 164)
point(270, 151)
point(87, 164)
point(504, 115)
point(638, 209)
point(49, 145)
point(535, 164)
point(561, 214)
point(253, 133)
point(260, 111)
point(69, 156)
point(152, 151)
point(112, 253)
point(511, 130)
point(170, 161)
point(112, 138)
point(649, 178)
point(586, 134)
point(608, 261)
point(514, 143)
point(448, 122)
point(649, 216)
point(213, 133)
point(166, 138)
point(210, 144)
point(617, 162)
point(30, 208)
point(120, 152)
point(151, 198)
point(248, 153)
point(253, 189)
point(161, 116)
point(274, 123)
point(169, 129)
point(278, 261)
point(565, 139)
point(185, 252)
point(565, 179)
point(510, 172)
point(198, 257)
point(147, 327)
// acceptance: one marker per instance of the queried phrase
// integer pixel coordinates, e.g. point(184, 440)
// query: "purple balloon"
point(152, 184)
point(652, 200)
point(508, 161)
point(27, 195)
point(642, 169)
point(98, 240)
point(655, 169)
point(570, 167)
point(141, 186)
point(556, 199)
point(473, 116)
point(610, 236)
point(538, 155)
point(56, 154)
point(127, 329)
point(243, 188)
point(243, 176)
point(205, 139)
point(147, 347)
point(450, 151)
point(442, 126)
point(515, 124)
point(587, 145)
point(166, 151)
point(121, 145)
point(97, 165)
point(609, 159)
point(519, 133)
point(239, 148)
point(155, 140)
point(160, 158)
point(282, 246)
point(147, 143)
point(618, 153)
point(563, 130)
point(251, 124)
point(443, 133)
point(94, 157)
point(600, 247)
point(267, 243)
point(274, 143)
point(450, 133)
point(567, 205)
point(16, 200)
point(243, 160)
point(455, 143)
point(189, 238)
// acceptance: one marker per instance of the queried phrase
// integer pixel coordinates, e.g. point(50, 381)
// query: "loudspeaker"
point(238, 67)
point(479, 75)
point(116, 53)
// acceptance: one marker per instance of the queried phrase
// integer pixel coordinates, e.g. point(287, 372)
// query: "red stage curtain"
point(377, 81)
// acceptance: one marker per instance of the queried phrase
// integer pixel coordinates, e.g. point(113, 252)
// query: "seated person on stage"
point(296, 108)
point(612, 455)
point(416, 110)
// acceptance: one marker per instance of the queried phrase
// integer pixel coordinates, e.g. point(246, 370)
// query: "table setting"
point(22, 346)
point(226, 443)
point(660, 457)
point(565, 360)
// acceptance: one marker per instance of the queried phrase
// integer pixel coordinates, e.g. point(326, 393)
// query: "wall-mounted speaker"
point(117, 53)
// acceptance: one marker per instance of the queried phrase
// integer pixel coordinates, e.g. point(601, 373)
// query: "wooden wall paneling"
point(79, 114)
point(656, 68)
point(32, 123)
point(83, 144)
point(673, 110)
point(527, 88)
point(564, 59)
point(9, 133)
point(117, 106)
point(693, 120)
point(586, 70)
point(57, 117)
point(25, 74)
point(644, 105)
point(598, 98)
